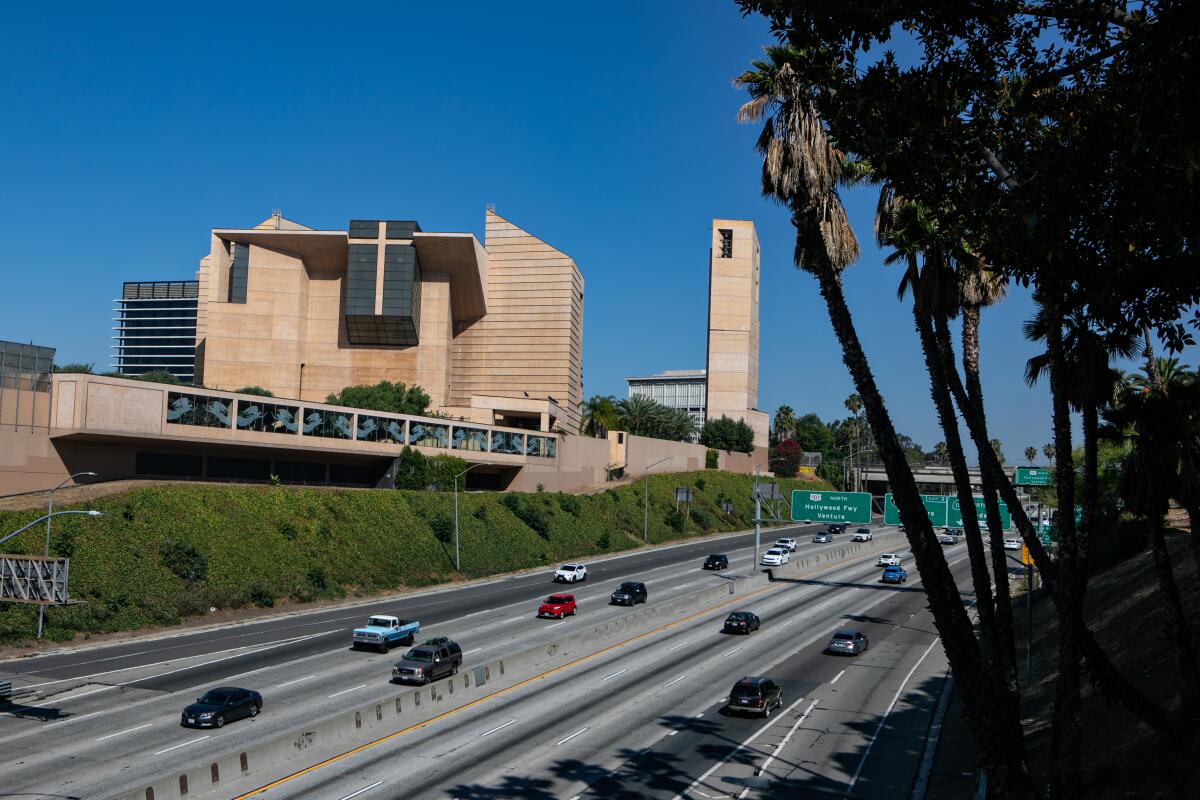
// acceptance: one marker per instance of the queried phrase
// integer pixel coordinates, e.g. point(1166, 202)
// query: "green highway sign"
point(831, 506)
point(954, 513)
point(1032, 476)
point(935, 507)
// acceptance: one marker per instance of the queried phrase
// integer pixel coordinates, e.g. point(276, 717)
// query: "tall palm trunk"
point(1178, 625)
point(1089, 498)
point(1005, 643)
point(962, 482)
point(1067, 735)
point(1102, 672)
point(999, 739)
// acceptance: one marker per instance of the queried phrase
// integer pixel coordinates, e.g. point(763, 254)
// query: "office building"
point(155, 328)
point(733, 335)
point(492, 331)
point(685, 389)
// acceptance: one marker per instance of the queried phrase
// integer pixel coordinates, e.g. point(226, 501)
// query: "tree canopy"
point(383, 396)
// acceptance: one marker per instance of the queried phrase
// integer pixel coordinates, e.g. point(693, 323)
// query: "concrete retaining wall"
point(338, 733)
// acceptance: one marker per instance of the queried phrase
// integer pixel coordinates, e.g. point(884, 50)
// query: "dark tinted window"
point(843, 636)
point(364, 229)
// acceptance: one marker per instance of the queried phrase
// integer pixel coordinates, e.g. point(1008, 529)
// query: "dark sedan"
point(629, 593)
point(741, 622)
point(217, 706)
point(717, 561)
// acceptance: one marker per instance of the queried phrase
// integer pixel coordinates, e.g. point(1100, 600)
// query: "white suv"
point(788, 542)
point(570, 573)
point(862, 535)
point(888, 560)
point(775, 557)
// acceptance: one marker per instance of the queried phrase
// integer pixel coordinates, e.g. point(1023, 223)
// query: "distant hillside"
point(163, 553)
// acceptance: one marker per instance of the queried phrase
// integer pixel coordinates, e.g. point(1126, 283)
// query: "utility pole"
point(646, 499)
point(457, 565)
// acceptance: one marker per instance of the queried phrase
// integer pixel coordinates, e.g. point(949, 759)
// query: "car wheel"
point(253, 710)
point(766, 711)
point(220, 721)
point(455, 670)
point(383, 646)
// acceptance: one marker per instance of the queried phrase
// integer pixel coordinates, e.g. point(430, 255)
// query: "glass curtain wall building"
point(155, 328)
point(686, 389)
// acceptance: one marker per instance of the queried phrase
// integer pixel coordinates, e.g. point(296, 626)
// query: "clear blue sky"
point(607, 129)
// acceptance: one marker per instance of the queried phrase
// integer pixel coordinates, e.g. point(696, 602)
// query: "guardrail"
point(414, 707)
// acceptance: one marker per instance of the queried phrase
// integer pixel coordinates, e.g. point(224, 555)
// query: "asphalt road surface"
point(106, 718)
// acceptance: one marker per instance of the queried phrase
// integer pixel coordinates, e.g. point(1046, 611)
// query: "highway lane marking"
point(247, 650)
point(514, 619)
point(518, 685)
point(789, 622)
point(680, 586)
point(882, 720)
point(122, 733)
point(672, 683)
point(363, 790)
point(289, 683)
point(615, 674)
point(745, 743)
point(731, 652)
point(782, 744)
point(835, 677)
point(569, 738)
point(75, 719)
point(183, 744)
point(476, 650)
point(497, 728)
point(676, 647)
point(346, 691)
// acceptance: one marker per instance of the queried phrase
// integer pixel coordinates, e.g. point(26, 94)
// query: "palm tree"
point(1030, 454)
point(784, 424)
point(599, 416)
point(802, 170)
point(940, 452)
point(1164, 371)
point(637, 415)
point(1048, 452)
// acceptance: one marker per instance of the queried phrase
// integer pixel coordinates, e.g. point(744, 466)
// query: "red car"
point(557, 605)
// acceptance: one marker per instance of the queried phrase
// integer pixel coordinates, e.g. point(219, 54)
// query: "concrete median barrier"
point(259, 764)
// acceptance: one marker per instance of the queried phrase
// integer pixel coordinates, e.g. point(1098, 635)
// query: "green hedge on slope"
point(164, 553)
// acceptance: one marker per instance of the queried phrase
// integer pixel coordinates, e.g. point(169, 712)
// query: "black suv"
point(629, 593)
point(741, 622)
point(717, 561)
point(755, 695)
point(427, 662)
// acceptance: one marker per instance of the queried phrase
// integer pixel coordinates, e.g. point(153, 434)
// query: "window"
point(425, 434)
point(401, 228)
point(239, 271)
point(475, 439)
point(726, 242)
point(364, 229)
point(200, 410)
point(506, 442)
point(380, 429)
point(327, 424)
point(266, 417)
point(540, 446)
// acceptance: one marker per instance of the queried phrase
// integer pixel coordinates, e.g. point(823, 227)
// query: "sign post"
point(831, 506)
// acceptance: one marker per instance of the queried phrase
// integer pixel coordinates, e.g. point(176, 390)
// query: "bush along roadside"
point(161, 554)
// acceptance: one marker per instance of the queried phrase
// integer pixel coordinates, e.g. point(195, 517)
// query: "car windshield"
point(567, 568)
point(715, 558)
point(773, 552)
point(863, 530)
point(418, 655)
point(888, 555)
point(739, 617)
point(556, 599)
point(379, 622)
point(843, 636)
point(627, 587)
point(215, 698)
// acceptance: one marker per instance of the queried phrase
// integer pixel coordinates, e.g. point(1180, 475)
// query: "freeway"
point(646, 720)
point(112, 711)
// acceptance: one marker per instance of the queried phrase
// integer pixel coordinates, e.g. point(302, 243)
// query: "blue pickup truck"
point(381, 632)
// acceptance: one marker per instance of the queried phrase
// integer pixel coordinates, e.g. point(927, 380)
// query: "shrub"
point(604, 541)
point(256, 390)
point(712, 459)
point(701, 518)
point(443, 529)
point(288, 531)
point(383, 396)
point(700, 483)
point(541, 487)
point(324, 532)
point(261, 595)
point(528, 513)
point(570, 504)
point(480, 513)
point(442, 470)
point(183, 559)
point(317, 580)
point(727, 434)
point(675, 520)
point(411, 470)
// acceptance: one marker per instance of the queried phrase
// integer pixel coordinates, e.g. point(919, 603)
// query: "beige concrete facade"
point(733, 327)
point(500, 320)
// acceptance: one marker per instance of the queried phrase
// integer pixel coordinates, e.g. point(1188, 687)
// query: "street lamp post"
point(456, 477)
point(46, 519)
point(646, 498)
point(46, 549)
